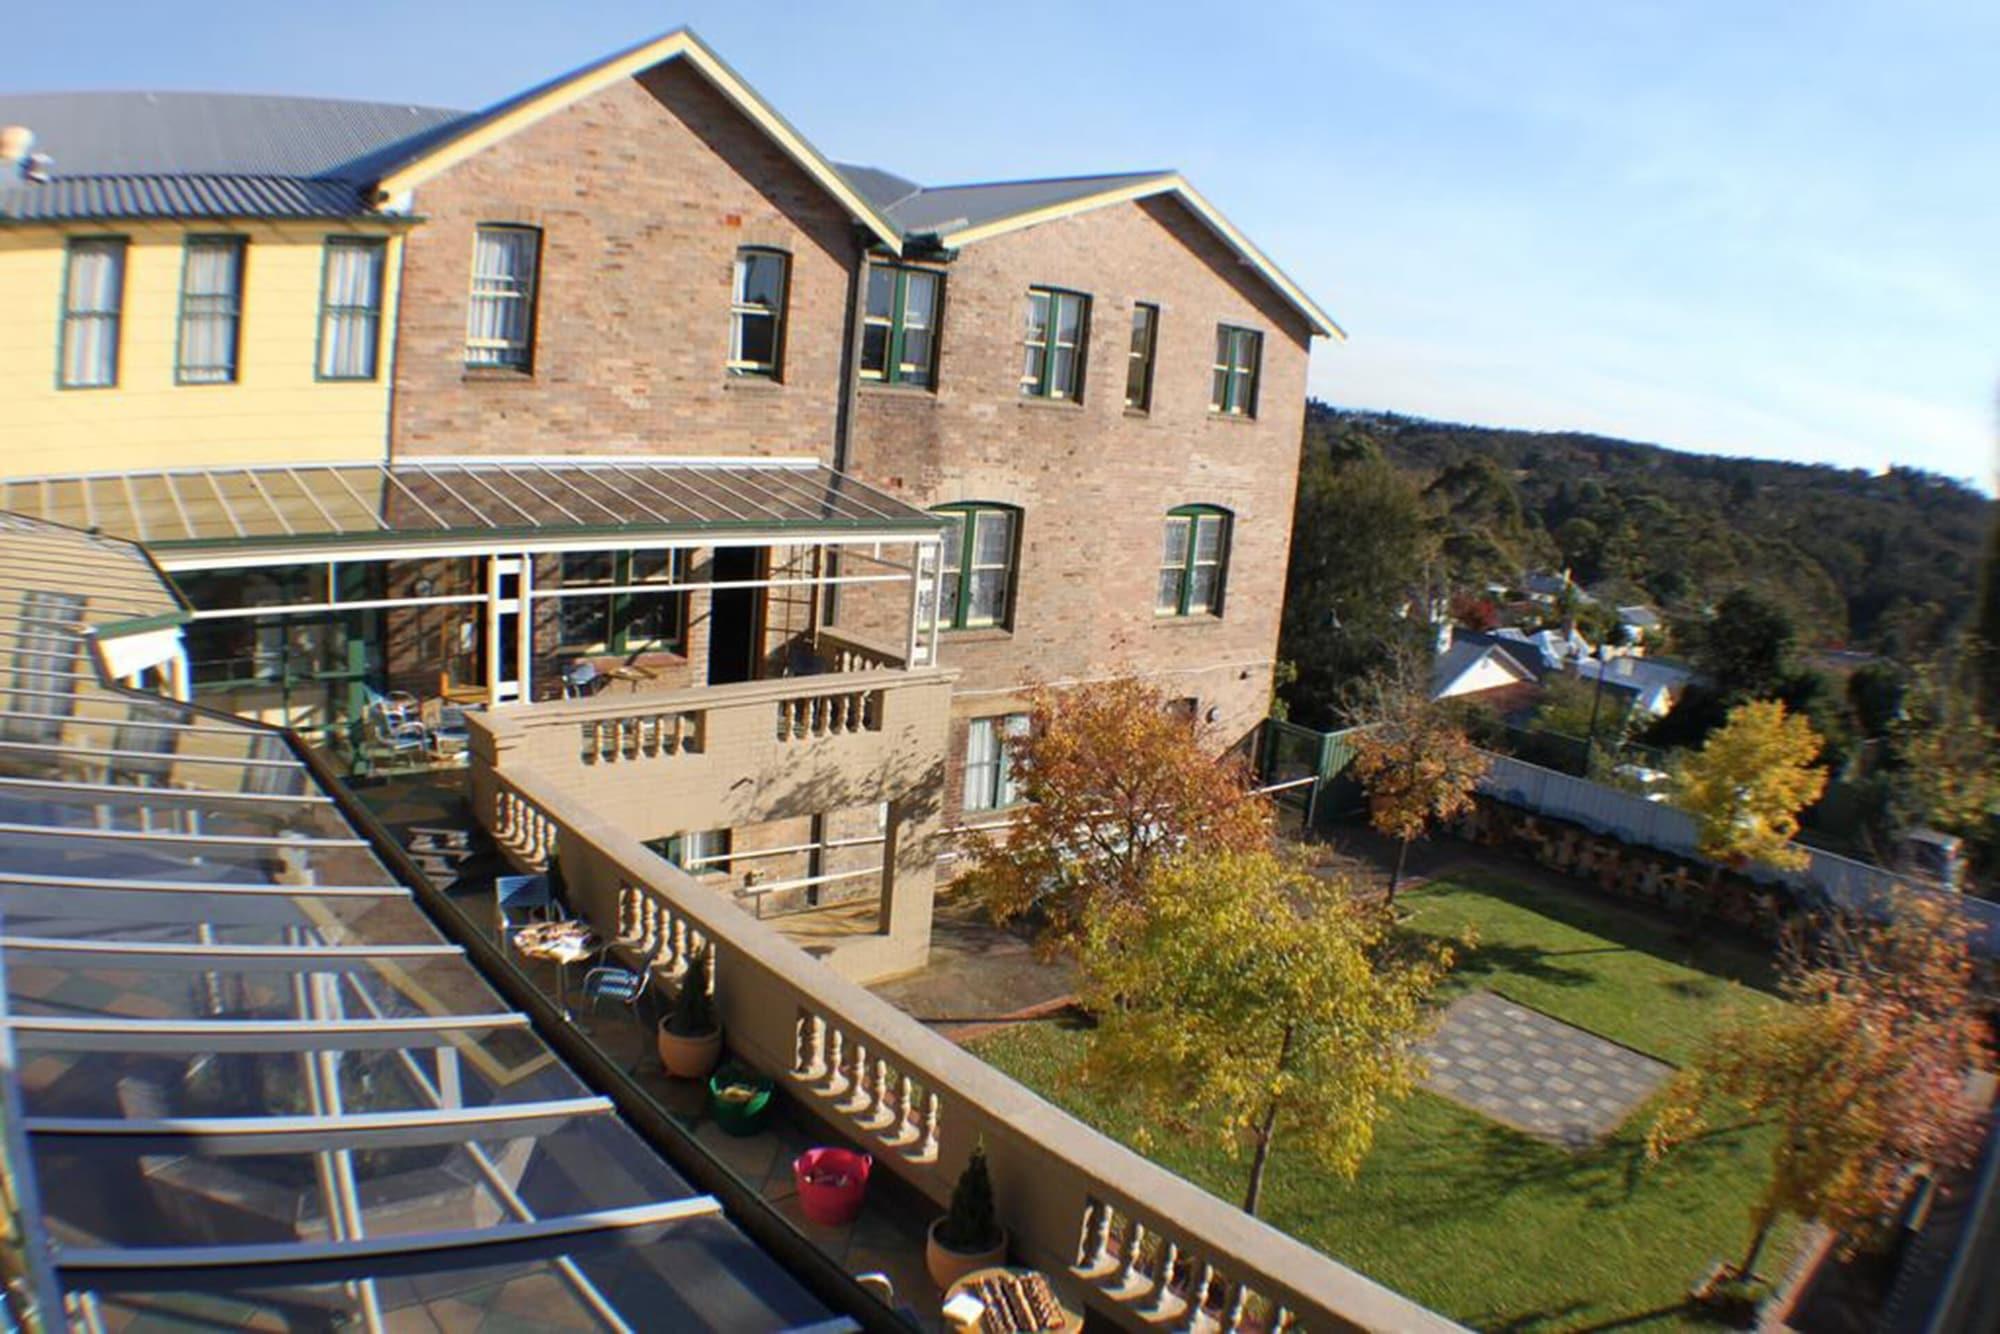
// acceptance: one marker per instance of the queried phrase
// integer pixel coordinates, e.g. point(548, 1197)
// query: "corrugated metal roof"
point(218, 134)
point(84, 197)
point(140, 155)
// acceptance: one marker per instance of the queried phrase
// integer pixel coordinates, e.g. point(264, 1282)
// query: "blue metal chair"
point(610, 982)
point(580, 680)
point(520, 901)
point(451, 736)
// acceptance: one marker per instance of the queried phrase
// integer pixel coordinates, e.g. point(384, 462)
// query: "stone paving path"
point(1553, 1080)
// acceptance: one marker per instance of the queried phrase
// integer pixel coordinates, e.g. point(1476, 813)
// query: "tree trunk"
point(1396, 876)
point(1266, 1131)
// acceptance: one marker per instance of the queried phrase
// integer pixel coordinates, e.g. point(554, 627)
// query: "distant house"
point(1545, 650)
point(1642, 625)
point(1653, 685)
point(1479, 666)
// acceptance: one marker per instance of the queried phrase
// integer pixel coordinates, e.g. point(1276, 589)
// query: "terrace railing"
point(1145, 1247)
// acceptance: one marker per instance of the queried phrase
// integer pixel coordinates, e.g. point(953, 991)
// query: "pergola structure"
point(495, 543)
point(247, 1082)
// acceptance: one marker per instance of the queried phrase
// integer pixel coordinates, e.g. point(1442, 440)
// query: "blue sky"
point(1751, 228)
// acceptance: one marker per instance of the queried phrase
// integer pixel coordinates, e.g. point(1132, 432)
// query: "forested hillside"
point(1887, 562)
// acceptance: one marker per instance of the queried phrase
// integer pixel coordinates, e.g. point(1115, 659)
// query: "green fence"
point(1307, 771)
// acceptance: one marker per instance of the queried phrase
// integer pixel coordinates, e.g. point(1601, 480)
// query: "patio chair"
point(522, 900)
point(395, 705)
point(581, 680)
point(396, 735)
point(450, 736)
point(611, 982)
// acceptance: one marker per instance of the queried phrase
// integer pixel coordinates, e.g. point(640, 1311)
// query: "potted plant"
point(690, 1038)
point(969, 1236)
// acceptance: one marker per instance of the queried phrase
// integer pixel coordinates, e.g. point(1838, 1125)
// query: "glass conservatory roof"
point(413, 500)
point(247, 1081)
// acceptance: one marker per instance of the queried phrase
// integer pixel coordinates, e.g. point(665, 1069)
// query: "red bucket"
point(832, 1184)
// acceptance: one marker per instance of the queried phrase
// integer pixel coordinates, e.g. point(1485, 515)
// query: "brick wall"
point(644, 193)
point(1094, 481)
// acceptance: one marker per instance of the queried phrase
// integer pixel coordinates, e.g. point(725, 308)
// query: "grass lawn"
point(1489, 1226)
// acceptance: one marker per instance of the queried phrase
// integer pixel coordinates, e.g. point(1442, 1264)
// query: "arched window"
point(976, 583)
point(1194, 561)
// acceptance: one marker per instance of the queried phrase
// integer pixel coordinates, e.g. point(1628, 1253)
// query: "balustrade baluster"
point(1163, 1273)
point(1199, 1290)
point(836, 1053)
point(1135, 1240)
point(933, 1114)
point(1239, 1305)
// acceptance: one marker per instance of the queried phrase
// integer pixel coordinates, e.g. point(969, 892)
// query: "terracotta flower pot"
point(948, 1266)
point(690, 1057)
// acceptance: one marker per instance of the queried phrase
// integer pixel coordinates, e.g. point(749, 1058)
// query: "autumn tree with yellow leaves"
point(1747, 784)
point(1246, 999)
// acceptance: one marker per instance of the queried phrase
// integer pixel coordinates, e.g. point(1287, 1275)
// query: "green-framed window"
point(757, 312)
point(1238, 353)
point(1052, 347)
point(989, 766)
point(211, 321)
point(1194, 561)
point(350, 307)
point(500, 316)
point(976, 578)
point(93, 312)
point(627, 617)
point(899, 326)
point(1139, 359)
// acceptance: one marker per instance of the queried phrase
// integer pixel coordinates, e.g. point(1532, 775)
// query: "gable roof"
point(468, 136)
point(959, 215)
point(1465, 656)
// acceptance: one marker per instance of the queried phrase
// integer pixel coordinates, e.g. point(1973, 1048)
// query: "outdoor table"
point(561, 943)
point(1071, 1322)
point(633, 675)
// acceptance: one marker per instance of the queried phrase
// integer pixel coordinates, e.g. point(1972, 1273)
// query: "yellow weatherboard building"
point(236, 309)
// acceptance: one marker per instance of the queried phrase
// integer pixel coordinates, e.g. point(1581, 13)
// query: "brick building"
point(666, 396)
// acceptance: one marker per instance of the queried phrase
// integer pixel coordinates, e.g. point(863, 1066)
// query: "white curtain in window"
point(211, 283)
point(351, 311)
point(503, 288)
point(91, 313)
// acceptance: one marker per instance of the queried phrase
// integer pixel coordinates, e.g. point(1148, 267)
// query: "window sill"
point(1234, 419)
point(975, 634)
point(1190, 622)
point(755, 384)
point(910, 393)
point(1051, 404)
point(1143, 414)
point(496, 375)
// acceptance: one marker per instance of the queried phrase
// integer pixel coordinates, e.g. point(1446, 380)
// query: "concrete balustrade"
point(1140, 1244)
point(847, 651)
